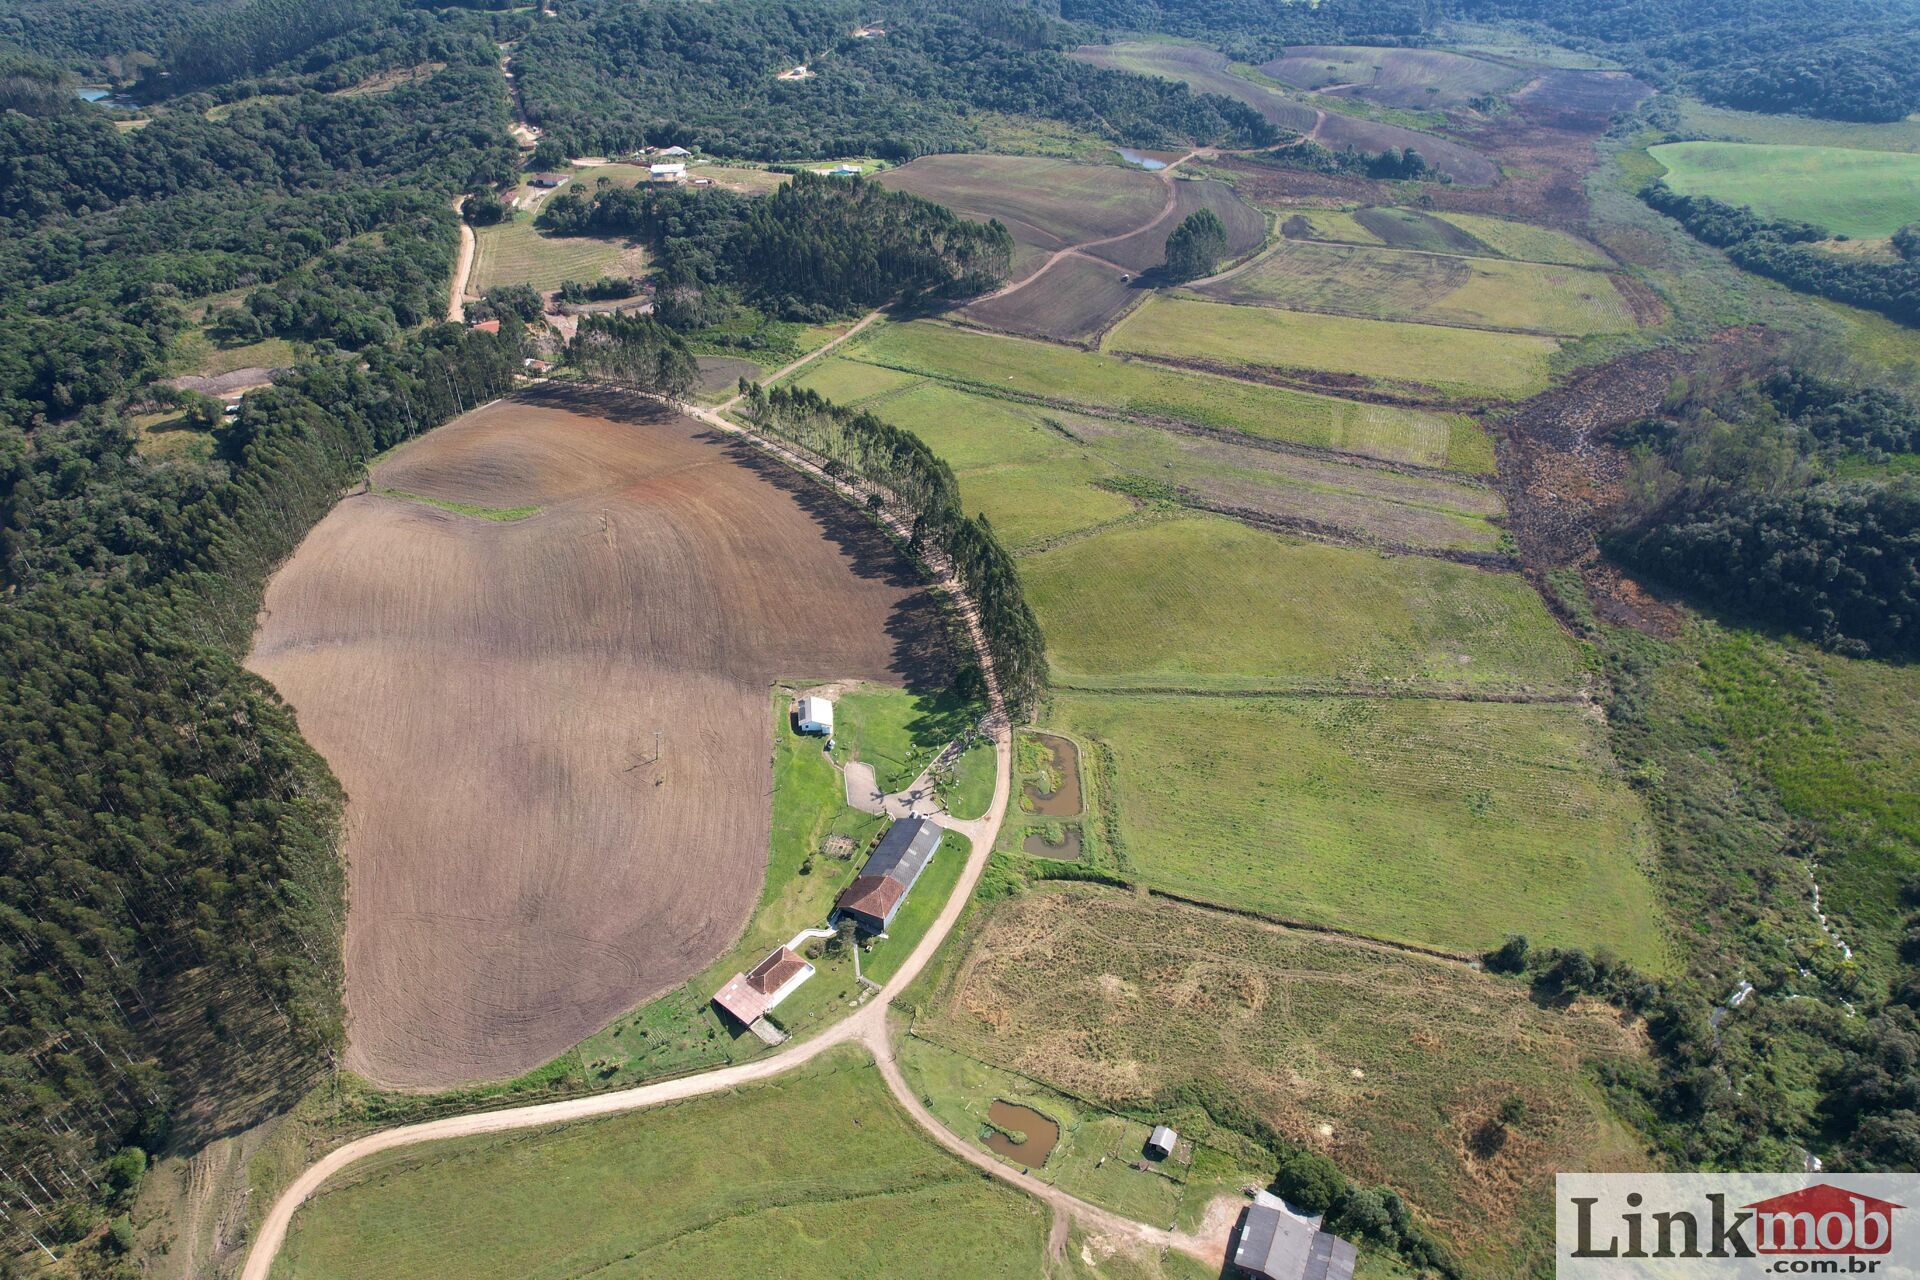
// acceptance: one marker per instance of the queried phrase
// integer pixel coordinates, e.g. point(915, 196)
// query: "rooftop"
point(872, 895)
point(1280, 1246)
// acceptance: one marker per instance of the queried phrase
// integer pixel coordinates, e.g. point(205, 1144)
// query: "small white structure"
point(815, 715)
point(672, 171)
point(675, 151)
point(1161, 1142)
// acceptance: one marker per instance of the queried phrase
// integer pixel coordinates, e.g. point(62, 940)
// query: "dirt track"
point(522, 866)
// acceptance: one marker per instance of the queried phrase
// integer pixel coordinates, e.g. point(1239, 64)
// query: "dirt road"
point(462, 268)
point(784, 370)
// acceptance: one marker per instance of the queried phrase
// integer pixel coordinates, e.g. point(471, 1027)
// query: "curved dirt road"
point(462, 268)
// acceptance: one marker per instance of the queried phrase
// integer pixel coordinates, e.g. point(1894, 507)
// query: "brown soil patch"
point(523, 867)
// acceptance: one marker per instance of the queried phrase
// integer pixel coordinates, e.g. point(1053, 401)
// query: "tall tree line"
point(902, 465)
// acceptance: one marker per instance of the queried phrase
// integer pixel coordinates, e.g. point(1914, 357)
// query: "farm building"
point(703, 182)
point(1161, 1142)
point(1275, 1244)
point(868, 32)
point(841, 171)
point(875, 895)
point(486, 326)
point(547, 180)
point(668, 171)
point(750, 996)
point(799, 72)
point(672, 152)
point(814, 715)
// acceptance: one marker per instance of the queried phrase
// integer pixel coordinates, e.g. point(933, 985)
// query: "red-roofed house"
point(750, 996)
point(487, 326)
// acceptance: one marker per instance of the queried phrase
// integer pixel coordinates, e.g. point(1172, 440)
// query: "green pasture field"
point(1389, 284)
point(1473, 363)
point(993, 364)
point(1205, 603)
point(1393, 1064)
point(1876, 340)
point(1752, 126)
point(1045, 201)
point(194, 353)
point(1428, 821)
point(1863, 194)
point(773, 1179)
point(1527, 242)
point(969, 791)
point(1328, 224)
point(1041, 474)
point(898, 731)
point(512, 252)
point(1204, 71)
point(1097, 1150)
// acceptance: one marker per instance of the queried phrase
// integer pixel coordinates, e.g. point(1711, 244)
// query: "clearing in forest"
point(553, 728)
point(815, 1173)
point(513, 252)
point(1393, 284)
point(1399, 1067)
point(1863, 194)
point(1416, 78)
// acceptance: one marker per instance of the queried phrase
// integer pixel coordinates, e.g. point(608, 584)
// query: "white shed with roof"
point(815, 715)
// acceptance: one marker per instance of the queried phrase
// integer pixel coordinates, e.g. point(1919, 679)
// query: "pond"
point(1141, 159)
point(1067, 849)
point(1009, 1118)
point(1064, 800)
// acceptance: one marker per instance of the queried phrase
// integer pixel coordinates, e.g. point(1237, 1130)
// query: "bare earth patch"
point(553, 730)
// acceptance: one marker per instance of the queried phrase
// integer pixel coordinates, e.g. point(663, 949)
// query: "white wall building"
point(815, 716)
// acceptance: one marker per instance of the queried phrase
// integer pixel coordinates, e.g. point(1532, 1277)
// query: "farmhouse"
point(868, 32)
point(875, 895)
point(486, 326)
point(1161, 1142)
point(841, 171)
point(1277, 1245)
point(799, 72)
point(749, 996)
point(547, 180)
point(814, 715)
point(669, 171)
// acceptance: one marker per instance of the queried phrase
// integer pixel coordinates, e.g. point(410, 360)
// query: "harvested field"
point(1463, 163)
point(1056, 374)
point(1074, 301)
point(1416, 78)
point(1386, 284)
point(1392, 1064)
point(1246, 226)
point(1204, 603)
point(1436, 360)
point(1050, 204)
point(723, 373)
point(1576, 99)
point(1043, 474)
point(732, 1184)
point(1203, 71)
point(489, 691)
point(1434, 822)
point(1864, 194)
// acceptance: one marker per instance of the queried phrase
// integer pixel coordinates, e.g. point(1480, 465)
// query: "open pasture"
point(1415, 78)
point(1204, 603)
point(1394, 1065)
point(1386, 284)
point(1204, 71)
point(1863, 194)
point(553, 730)
point(1041, 474)
point(1440, 823)
point(1527, 242)
point(1702, 120)
point(1400, 228)
point(814, 1174)
point(1054, 374)
point(1246, 226)
point(512, 252)
point(1472, 363)
point(1050, 204)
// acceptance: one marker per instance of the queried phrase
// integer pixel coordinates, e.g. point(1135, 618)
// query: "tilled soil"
point(554, 731)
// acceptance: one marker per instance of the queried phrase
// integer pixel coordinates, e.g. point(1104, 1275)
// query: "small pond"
point(1063, 801)
point(1010, 1117)
point(1141, 159)
point(1068, 850)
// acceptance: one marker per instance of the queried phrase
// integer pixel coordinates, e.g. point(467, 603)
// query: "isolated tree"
point(1196, 246)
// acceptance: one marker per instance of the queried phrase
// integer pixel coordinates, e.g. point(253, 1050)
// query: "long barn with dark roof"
point(875, 895)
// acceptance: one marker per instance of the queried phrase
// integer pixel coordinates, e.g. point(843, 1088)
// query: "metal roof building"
point(1276, 1245)
point(1161, 1142)
point(877, 892)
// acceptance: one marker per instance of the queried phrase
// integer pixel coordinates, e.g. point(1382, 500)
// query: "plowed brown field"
point(524, 865)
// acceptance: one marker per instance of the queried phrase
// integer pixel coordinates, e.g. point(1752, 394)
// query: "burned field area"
point(536, 654)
